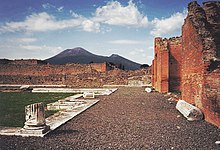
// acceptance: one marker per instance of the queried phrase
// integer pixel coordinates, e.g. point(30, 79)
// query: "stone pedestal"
point(35, 120)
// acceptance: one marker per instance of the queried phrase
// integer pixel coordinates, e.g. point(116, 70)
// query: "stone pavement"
point(130, 118)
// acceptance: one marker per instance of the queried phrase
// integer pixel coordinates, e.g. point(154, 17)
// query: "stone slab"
point(88, 95)
point(53, 121)
point(97, 91)
point(61, 117)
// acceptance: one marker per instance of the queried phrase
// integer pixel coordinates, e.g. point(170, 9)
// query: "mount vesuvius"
point(82, 56)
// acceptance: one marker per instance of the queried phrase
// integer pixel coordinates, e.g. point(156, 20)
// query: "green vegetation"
point(50, 112)
point(12, 106)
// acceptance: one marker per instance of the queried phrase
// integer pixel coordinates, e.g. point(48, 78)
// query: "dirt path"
point(128, 119)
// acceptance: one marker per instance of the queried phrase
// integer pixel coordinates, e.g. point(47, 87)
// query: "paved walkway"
point(128, 119)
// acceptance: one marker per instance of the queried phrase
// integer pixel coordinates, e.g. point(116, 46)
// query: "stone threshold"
point(97, 91)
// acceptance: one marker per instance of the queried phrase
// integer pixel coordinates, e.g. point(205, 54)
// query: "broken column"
point(189, 111)
point(35, 119)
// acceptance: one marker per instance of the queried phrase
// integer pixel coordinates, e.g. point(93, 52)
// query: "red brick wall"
point(200, 59)
point(194, 61)
point(153, 73)
point(75, 75)
point(99, 67)
point(164, 70)
point(175, 50)
point(45, 70)
point(166, 64)
point(192, 64)
point(211, 101)
point(160, 66)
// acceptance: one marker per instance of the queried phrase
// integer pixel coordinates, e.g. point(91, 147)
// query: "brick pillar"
point(164, 87)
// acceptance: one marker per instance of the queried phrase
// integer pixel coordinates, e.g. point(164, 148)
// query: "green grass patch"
point(12, 106)
point(50, 112)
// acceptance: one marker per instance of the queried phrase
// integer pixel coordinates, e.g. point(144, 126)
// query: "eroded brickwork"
point(74, 75)
point(166, 65)
point(194, 60)
point(200, 59)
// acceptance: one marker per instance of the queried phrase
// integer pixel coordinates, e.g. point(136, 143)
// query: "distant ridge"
point(82, 56)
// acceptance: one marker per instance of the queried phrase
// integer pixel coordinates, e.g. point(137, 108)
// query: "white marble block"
point(189, 111)
point(89, 95)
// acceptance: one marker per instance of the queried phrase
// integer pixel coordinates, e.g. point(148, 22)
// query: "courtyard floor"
point(127, 119)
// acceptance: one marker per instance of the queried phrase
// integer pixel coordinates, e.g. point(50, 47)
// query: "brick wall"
point(194, 60)
point(192, 64)
point(75, 75)
point(201, 60)
point(175, 58)
point(161, 65)
point(100, 67)
point(166, 64)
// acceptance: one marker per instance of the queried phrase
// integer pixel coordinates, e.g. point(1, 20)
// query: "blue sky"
point(42, 28)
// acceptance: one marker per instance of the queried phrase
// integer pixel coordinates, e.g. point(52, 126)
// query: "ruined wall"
point(175, 59)
point(192, 64)
point(100, 67)
point(75, 75)
point(212, 75)
point(161, 65)
point(194, 60)
point(200, 59)
point(166, 64)
point(69, 74)
point(27, 61)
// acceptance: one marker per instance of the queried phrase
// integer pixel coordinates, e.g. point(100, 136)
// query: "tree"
point(144, 66)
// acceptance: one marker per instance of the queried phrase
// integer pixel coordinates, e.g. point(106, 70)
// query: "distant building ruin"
point(37, 72)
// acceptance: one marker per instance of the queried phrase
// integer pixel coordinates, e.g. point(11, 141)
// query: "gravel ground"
point(128, 119)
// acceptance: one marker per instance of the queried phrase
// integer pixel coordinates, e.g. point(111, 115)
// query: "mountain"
point(82, 56)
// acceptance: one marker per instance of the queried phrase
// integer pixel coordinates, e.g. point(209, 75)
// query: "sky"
point(39, 29)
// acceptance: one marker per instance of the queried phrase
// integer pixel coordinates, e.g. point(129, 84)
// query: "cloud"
point(116, 14)
point(44, 48)
point(168, 25)
point(31, 47)
point(41, 22)
point(137, 51)
point(132, 42)
point(113, 13)
point(75, 15)
point(60, 9)
point(39, 51)
point(26, 40)
point(90, 26)
point(29, 51)
point(50, 6)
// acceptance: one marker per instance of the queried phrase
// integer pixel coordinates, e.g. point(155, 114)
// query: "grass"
point(12, 106)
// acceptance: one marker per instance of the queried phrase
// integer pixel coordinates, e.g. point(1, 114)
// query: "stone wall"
point(14, 68)
point(74, 75)
point(194, 60)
